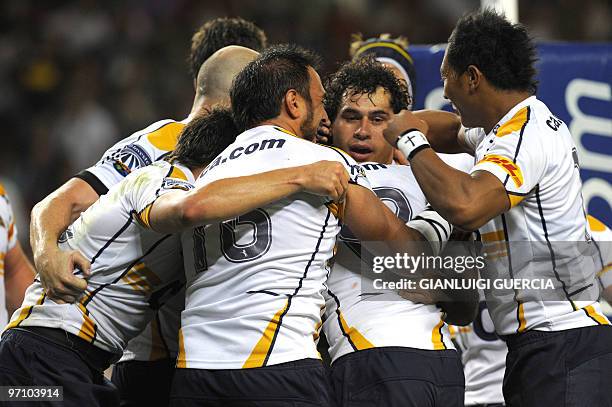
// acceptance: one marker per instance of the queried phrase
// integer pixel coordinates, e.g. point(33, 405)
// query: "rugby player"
point(525, 187)
point(483, 352)
point(254, 284)
point(16, 271)
point(387, 351)
point(136, 261)
point(157, 347)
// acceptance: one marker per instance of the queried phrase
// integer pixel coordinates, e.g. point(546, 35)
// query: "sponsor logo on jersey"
point(65, 236)
point(242, 151)
point(132, 157)
point(508, 165)
point(173, 183)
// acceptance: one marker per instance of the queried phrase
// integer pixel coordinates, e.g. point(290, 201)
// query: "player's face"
point(358, 128)
point(457, 91)
point(315, 109)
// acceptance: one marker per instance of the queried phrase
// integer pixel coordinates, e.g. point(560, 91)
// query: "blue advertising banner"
point(575, 81)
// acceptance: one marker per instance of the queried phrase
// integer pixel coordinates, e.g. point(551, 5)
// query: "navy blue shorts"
point(302, 383)
point(30, 359)
point(398, 377)
point(571, 368)
point(144, 384)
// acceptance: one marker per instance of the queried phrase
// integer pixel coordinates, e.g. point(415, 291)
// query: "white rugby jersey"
point(532, 153)
point(484, 354)
point(357, 320)
point(134, 269)
point(160, 338)
point(603, 237)
point(254, 284)
point(8, 240)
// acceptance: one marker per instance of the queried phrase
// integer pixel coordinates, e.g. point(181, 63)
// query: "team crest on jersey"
point(130, 158)
point(357, 172)
point(173, 183)
point(65, 236)
point(509, 166)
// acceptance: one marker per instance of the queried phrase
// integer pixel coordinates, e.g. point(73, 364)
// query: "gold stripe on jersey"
point(261, 349)
point(317, 329)
point(166, 136)
point(515, 199)
point(141, 279)
point(514, 124)
point(507, 165)
point(181, 360)
point(495, 236)
point(88, 328)
point(2, 190)
point(337, 209)
point(354, 335)
point(25, 312)
point(178, 173)
point(453, 332)
point(11, 231)
point(604, 270)
point(521, 317)
point(595, 224)
point(285, 131)
point(600, 319)
point(144, 217)
point(436, 336)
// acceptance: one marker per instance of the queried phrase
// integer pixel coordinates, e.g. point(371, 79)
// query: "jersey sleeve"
point(357, 174)
point(517, 160)
point(136, 151)
point(148, 185)
point(472, 137)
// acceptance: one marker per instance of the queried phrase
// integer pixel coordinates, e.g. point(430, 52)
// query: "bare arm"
point(50, 217)
point(230, 197)
point(18, 275)
point(380, 224)
point(444, 131)
point(466, 200)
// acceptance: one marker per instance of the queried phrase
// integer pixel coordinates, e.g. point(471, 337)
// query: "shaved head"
point(217, 73)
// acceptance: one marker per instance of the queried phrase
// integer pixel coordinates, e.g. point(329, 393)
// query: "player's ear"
point(292, 103)
point(474, 77)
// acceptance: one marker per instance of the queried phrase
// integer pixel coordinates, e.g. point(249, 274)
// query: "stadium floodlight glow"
point(508, 7)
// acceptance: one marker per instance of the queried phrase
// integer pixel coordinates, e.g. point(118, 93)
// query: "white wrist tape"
point(411, 142)
point(433, 227)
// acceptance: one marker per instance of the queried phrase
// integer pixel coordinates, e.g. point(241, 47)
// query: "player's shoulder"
point(332, 153)
point(532, 117)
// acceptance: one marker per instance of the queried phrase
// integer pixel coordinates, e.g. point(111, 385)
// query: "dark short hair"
point(221, 32)
point(363, 76)
point(258, 90)
point(205, 137)
point(502, 51)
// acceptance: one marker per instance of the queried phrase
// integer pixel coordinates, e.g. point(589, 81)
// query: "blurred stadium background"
point(76, 76)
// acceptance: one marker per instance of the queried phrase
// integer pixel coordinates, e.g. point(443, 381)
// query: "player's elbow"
point(195, 211)
point(465, 215)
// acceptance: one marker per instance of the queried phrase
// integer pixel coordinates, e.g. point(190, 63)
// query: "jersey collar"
point(512, 112)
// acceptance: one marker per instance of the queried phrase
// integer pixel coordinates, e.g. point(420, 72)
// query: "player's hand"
point(326, 178)
point(399, 157)
point(324, 132)
point(401, 122)
point(56, 269)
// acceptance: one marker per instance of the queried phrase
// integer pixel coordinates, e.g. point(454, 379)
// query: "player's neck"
point(501, 102)
point(196, 171)
point(285, 123)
